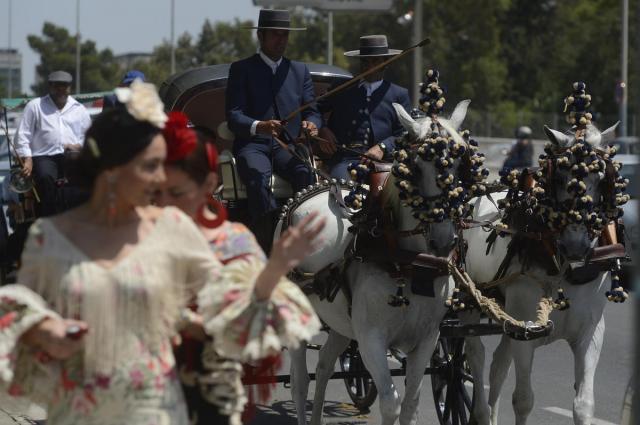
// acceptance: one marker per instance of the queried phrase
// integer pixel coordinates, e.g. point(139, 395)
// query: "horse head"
point(437, 170)
point(579, 188)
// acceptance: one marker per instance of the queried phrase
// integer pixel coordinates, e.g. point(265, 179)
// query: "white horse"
point(582, 325)
point(372, 322)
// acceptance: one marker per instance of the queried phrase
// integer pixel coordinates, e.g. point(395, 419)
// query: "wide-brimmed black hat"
point(371, 46)
point(271, 19)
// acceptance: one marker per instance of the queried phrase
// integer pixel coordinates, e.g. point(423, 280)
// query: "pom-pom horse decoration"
point(557, 235)
point(373, 316)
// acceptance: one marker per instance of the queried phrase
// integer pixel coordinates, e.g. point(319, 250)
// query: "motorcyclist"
point(521, 153)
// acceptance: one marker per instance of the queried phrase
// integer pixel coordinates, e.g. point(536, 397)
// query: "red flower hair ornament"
point(181, 140)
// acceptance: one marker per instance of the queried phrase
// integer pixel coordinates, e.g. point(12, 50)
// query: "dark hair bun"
point(114, 139)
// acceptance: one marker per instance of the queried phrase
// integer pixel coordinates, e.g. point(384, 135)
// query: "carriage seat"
point(234, 189)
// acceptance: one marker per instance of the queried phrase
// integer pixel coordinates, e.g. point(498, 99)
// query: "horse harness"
point(534, 244)
point(376, 240)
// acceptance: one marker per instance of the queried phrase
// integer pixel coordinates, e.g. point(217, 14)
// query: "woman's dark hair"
point(197, 164)
point(113, 139)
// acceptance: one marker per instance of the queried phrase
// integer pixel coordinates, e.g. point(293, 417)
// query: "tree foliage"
point(513, 58)
point(57, 50)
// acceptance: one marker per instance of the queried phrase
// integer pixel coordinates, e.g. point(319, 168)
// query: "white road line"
point(569, 414)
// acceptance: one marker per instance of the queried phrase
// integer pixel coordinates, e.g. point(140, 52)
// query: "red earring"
point(218, 208)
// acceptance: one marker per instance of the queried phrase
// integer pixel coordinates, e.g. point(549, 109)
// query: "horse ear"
point(407, 122)
point(608, 135)
point(459, 113)
point(557, 138)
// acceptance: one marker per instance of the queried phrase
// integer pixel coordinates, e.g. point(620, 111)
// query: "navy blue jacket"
point(359, 121)
point(254, 93)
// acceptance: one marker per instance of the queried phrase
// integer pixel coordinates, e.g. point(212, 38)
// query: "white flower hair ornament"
point(143, 103)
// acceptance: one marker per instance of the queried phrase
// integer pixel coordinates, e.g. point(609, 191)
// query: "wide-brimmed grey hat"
point(371, 46)
point(60, 77)
point(271, 19)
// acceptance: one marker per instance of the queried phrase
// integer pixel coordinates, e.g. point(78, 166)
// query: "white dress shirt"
point(44, 129)
point(370, 87)
point(274, 67)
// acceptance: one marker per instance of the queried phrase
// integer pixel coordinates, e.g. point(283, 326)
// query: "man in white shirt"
point(51, 125)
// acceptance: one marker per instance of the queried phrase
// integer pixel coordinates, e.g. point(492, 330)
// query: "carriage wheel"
point(361, 389)
point(450, 394)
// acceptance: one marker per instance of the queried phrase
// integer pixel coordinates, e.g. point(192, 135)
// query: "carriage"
point(200, 94)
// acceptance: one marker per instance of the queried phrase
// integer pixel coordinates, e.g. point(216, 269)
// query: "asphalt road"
point(552, 383)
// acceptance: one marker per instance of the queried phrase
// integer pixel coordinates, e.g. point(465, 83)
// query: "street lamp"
point(173, 42)
point(77, 46)
point(10, 69)
point(415, 17)
point(417, 53)
point(624, 65)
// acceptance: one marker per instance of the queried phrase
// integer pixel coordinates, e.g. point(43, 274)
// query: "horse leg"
point(474, 353)
point(374, 355)
point(417, 361)
point(523, 394)
point(330, 351)
point(299, 381)
point(586, 353)
point(499, 371)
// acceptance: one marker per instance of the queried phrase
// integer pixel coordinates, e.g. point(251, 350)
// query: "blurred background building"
point(10, 72)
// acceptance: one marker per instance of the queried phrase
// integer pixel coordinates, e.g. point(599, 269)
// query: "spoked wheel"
point(453, 400)
point(361, 388)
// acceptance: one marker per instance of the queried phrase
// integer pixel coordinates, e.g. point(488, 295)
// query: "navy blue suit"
point(255, 93)
point(360, 121)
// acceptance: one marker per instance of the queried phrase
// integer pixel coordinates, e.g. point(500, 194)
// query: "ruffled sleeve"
point(22, 371)
point(246, 329)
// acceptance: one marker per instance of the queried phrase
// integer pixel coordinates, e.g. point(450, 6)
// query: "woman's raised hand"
point(293, 246)
point(297, 242)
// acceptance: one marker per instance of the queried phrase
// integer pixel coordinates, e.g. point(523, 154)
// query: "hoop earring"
point(218, 208)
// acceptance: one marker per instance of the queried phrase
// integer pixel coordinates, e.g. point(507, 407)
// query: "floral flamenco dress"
point(212, 381)
point(126, 372)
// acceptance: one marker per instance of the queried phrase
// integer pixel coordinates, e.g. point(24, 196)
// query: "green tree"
point(515, 59)
point(224, 42)
point(57, 49)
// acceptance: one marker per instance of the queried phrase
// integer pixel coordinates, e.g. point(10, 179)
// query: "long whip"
point(358, 78)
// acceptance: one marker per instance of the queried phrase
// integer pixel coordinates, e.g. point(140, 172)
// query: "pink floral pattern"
point(141, 388)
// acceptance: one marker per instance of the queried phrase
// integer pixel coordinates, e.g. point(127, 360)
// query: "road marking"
point(569, 414)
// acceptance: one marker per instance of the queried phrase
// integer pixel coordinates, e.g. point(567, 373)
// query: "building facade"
point(10, 73)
